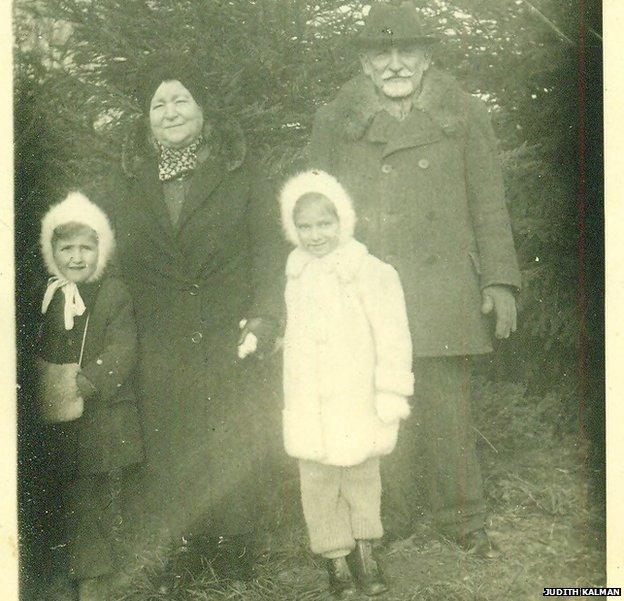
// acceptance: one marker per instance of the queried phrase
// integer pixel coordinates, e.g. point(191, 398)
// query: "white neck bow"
point(74, 305)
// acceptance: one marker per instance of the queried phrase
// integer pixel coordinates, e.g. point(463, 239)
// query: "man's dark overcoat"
point(429, 198)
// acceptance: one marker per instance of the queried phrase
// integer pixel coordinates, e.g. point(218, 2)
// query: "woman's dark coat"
point(203, 410)
point(429, 197)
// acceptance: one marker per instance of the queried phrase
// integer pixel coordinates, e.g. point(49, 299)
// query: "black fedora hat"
point(390, 24)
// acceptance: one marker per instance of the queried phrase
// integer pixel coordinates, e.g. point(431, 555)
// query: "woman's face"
point(175, 118)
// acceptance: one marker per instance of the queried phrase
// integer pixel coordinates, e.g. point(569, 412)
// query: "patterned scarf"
point(174, 162)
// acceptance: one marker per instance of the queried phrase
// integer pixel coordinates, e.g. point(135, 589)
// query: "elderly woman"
point(196, 246)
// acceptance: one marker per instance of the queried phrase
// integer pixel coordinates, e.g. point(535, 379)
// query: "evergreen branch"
point(540, 15)
point(595, 34)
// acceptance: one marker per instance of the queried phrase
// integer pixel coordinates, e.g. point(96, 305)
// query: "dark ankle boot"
point(365, 569)
point(341, 582)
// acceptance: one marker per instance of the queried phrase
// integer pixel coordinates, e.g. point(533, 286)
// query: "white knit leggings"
point(340, 504)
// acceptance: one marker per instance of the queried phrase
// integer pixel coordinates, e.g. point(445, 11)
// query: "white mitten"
point(391, 407)
point(250, 343)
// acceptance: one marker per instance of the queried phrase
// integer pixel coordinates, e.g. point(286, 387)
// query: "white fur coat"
point(347, 338)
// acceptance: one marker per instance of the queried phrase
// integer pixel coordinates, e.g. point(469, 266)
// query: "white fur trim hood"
point(77, 208)
point(320, 182)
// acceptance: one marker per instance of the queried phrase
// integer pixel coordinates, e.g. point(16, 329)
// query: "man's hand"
point(501, 299)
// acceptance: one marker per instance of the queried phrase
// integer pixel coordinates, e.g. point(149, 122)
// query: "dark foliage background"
point(270, 63)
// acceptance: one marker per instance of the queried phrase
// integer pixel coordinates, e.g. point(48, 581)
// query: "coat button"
point(196, 337)
point(389, 217)
point(385, 168)
point(194, 290)
point(423, 164)
point(431, 215)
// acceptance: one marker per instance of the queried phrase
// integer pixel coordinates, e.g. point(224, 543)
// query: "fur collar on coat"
point(441, 97)
point(225, 140)
point(77, 208)
point(345, 261)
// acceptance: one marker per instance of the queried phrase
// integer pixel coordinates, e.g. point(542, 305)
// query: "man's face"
point(396, 71)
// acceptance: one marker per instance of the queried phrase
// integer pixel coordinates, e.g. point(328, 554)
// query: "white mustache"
point(399, 74)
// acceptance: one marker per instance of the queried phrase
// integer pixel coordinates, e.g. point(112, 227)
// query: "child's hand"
point(391, 407)
point(85, 386)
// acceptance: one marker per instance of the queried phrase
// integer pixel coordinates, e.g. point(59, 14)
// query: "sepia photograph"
point(309, 299)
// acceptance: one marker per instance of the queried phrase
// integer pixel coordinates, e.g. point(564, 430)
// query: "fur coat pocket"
point(303, 434)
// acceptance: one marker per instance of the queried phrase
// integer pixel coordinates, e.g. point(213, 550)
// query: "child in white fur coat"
point(347, 376)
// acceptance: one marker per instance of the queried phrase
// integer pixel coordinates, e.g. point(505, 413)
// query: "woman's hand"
point(263, 330)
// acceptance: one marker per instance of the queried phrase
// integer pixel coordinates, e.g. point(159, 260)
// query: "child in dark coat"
point(86, 354)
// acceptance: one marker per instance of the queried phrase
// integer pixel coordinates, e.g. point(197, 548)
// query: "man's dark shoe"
point(235, 558)
point(479, 544)
point(226, 559)
point(341, 583)
point(183, 565)
point(366, 570)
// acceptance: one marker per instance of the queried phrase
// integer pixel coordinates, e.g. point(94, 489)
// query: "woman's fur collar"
point(357, 103)
point(224, 138)
point(77, 208)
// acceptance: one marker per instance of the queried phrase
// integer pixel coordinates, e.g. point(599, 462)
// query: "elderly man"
point(418, 156)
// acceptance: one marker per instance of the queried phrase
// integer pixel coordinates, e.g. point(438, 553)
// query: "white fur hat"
point(322, 183)
point(77, 208)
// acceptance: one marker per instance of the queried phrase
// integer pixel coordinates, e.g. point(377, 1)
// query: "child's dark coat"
point(85, 456)
point(108, 435)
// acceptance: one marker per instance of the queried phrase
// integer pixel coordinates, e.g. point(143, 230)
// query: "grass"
point(541, 515)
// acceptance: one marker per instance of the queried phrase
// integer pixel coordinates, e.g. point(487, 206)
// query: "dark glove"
point(85, 386)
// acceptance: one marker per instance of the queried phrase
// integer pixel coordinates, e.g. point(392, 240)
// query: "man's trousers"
point(439, 440)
